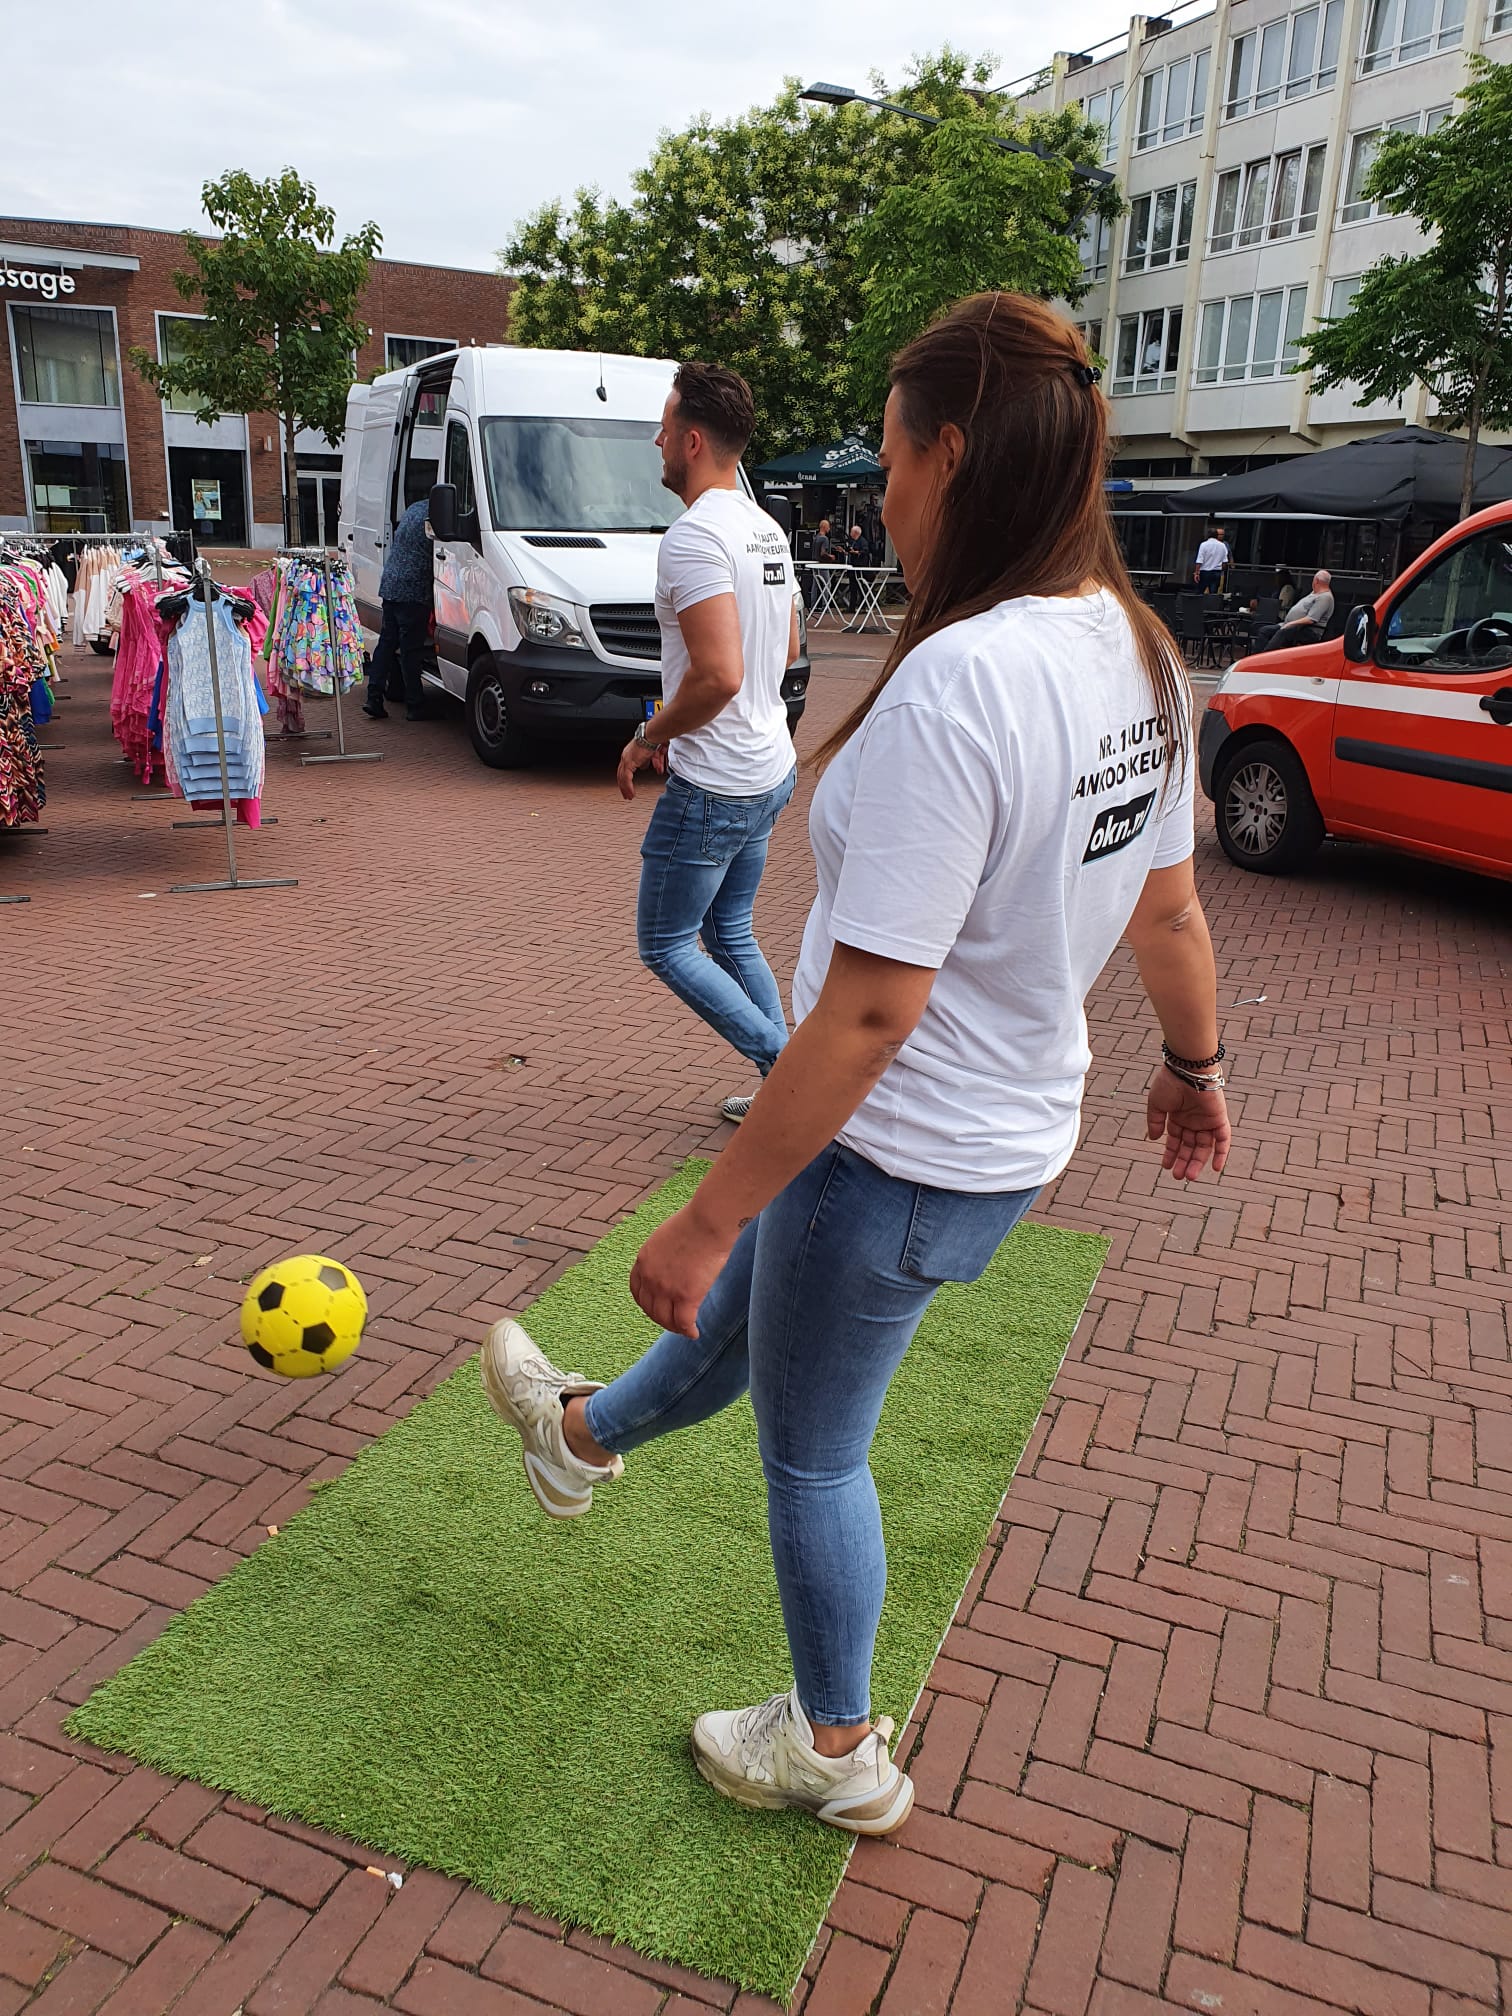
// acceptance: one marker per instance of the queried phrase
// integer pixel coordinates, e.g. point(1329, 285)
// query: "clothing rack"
point(26, 546)
point(320, 556)
point(233, 880)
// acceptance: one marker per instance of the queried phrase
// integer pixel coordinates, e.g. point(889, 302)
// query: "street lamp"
point(840, 94)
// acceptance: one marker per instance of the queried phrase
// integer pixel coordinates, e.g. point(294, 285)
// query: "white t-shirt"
point(1212, 556)
point(995, 817)
point(726, 545)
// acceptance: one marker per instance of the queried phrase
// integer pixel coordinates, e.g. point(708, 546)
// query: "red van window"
point(1456, 617)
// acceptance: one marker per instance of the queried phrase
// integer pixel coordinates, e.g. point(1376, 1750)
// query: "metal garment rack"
point(321, 556)
point(233, 879)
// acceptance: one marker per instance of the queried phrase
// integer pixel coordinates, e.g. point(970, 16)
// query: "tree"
point(971, 218)
point(1443, 316)
point(280, 301)
point(751, 242)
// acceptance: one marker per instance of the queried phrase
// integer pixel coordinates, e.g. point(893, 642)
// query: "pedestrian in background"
point(726, 603)
point(406, 589)
point(1213, 557)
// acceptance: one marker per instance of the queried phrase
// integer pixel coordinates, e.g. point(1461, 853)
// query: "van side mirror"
point(780, 509)
point(443, 514)
point(1360, 635)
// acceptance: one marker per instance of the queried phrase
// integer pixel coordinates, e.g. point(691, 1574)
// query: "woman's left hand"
point(677, 1267)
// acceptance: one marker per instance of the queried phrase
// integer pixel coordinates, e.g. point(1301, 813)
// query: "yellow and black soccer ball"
point(303, 1316)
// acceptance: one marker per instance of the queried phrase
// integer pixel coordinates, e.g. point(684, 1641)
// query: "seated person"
point(1305, 621)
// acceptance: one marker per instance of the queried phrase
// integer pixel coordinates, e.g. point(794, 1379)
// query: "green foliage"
point(1443, 315)
point(280, 301)
point(801, 245)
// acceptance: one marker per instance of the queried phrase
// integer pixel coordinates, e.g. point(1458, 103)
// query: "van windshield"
point(554, 475)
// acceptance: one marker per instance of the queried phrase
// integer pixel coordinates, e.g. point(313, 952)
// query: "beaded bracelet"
point(1192, 1063)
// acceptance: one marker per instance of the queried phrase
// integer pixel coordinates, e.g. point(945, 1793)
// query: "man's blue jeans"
point(702, 860)
point(812, 1314)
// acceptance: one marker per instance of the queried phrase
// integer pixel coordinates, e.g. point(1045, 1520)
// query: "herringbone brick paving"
point(1225, 1720)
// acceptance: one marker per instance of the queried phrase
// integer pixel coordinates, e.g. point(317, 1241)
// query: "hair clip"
point(1086, 374)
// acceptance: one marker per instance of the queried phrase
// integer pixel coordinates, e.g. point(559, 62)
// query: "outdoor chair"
point(1188, 627)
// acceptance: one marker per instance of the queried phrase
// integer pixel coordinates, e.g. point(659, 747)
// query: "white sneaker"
point(737, 1106)
point(525, 1389)
point(765, 1756)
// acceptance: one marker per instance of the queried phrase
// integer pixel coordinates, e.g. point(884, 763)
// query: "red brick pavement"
point(1225, 1721)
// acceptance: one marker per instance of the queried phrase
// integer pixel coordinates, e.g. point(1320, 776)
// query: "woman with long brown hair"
point(1012, 797)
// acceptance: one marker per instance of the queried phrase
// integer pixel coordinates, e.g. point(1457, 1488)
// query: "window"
point(1400, 31)
point(1094, 244)
point(554, 475)
point(401, 350)
point(1430, 627)
point(1250, 336)
point(1160, 228)
point(1148, 348)
point(1091, 335)
point(1105, 109)
point(1341, 294)
point(172, 350)
point(78, 486)
point(1362, 152)
point(459, 471)
point(1277, 198)
point(67, 356)
point(1501, 17)
point(1286, 59)
point(1172, 101)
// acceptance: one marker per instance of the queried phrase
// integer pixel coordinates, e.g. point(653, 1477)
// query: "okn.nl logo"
point(1117, 825)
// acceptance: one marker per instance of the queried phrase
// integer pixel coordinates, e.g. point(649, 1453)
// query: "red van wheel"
point(1267, 817)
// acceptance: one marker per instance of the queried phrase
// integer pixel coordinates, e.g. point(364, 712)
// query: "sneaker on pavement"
point(737, 1106)
point(765, 1756)
point(525, 1389)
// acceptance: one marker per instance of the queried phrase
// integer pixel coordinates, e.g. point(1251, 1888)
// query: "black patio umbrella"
point(851, 460)
point(1411, 472)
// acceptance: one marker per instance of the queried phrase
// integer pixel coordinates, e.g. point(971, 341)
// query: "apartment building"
point(1241, 136)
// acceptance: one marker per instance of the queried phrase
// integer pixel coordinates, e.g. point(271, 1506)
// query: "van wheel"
point(1267, 817)
point(494, 736)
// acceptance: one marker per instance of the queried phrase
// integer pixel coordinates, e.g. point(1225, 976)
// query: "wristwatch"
point(641, 739)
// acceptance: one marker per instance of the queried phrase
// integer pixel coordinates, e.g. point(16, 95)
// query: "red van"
point(1400, 731)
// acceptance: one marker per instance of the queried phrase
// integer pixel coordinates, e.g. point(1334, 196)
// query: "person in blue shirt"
point(405, 591)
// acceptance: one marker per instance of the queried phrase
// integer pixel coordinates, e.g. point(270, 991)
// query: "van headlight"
point(544, 619)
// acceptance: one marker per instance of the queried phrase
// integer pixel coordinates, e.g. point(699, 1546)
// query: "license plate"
point(653, 708)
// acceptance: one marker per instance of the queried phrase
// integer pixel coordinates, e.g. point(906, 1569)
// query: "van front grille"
point(627, 629)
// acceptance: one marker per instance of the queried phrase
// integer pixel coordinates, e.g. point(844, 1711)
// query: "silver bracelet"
point(1213, 1082)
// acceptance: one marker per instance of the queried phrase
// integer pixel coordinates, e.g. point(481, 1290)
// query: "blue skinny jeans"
point(702, 860)
point(812, 1314)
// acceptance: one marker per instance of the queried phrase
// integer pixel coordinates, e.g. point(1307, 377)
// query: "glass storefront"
point(78, 486)
point(207, 488)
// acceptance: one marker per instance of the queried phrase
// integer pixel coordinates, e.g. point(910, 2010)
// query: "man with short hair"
point(725, 602)
point(858, 554)
point(1306, 620)
point(1212, 557)
point(405, 591)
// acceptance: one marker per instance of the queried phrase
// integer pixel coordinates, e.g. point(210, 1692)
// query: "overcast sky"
point(445, 121)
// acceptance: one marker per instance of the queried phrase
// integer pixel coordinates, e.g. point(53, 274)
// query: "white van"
point(547, 506)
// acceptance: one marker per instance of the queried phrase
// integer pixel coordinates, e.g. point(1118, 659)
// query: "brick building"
point(85, 445)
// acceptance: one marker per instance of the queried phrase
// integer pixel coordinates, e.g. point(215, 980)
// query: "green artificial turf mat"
point(424, 1663)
